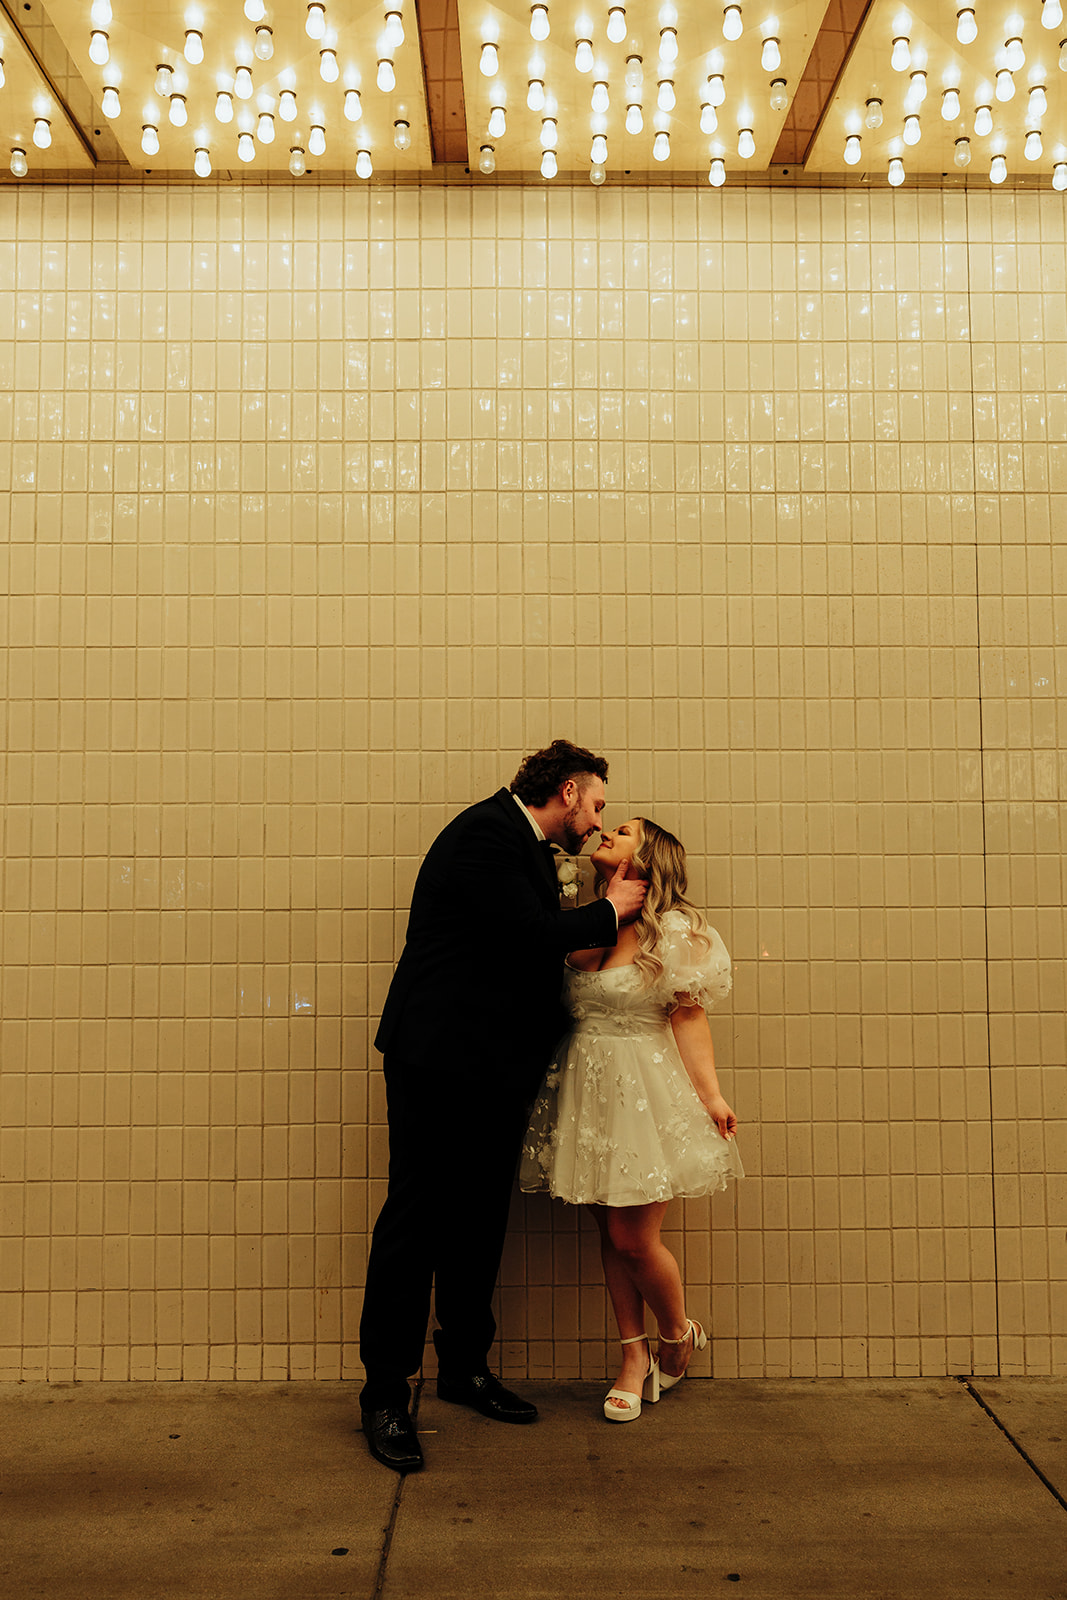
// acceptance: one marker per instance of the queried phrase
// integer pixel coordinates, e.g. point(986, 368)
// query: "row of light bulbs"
point(998, 168)
point(541, 27)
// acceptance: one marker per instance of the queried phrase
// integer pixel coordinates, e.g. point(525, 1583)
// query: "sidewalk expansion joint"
point(387, 1542)
point(1013, 1441)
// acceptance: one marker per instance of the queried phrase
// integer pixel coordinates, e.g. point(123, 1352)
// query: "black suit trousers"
point(453, 1150)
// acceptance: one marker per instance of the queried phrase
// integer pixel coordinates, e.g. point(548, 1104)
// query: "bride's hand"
point(625, 893)
point(721, 1115)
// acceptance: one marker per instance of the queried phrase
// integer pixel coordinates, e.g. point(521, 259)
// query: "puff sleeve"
point(690, 969)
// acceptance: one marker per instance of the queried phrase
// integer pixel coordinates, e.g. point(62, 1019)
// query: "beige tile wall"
point(319, 508)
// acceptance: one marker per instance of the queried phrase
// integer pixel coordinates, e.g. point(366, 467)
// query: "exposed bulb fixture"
point(635, 120)
point(20, 166)
point(242, 83)
point(287, 105)
point(223, 106)
point(717, 174)
point(549, 164)
point(178, 111)
point(265, 128)
point(353, 105)
point(386, 79)
point(246, 147)
point(1063, 55)
point(716, 88)
point(912, 130)
point(317, 140)
point(264, 45)
point(601, 99)
point(1005, 89)
point(99, 48)
point(746, 144)
point(315, 21)
point(896, 172)
point(962, 153)
point(779, 100)
point(202, 162)
point(598, 152)
point(42, 133)
point(549, 133)
point(661, 145)
point(950, 105)
point(583, 55)
point(487, 160)
point(489, 60)
point(1059, 175)
point(998, 169)
point(771, 55)
point(1051, 13)
point(853, 149)
point(597, 175)
point(194, 46)
point(983, 121)
point(1014, 55)
point(966, 26)
point(498, 122)
point(364, 164)
point(394, 28)
point(708, 120)
point(535, 94)
point(110, 105)
point(297, 161)
point(1032, 148)
point(616, 24)
point(872, 117)
point(668, 45)
point(916, 90)
point(402, 135)
point(900, 60)
point(255, 10)
point(3, 79)
point(666, 99)
point(1037, 104)
point(732, 25)
point(635, 74)
point(149, 139)
point(164, 80)
point(329, 71)
point(540, 27)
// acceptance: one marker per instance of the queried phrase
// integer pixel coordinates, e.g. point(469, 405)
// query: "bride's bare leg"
point(641, 1258)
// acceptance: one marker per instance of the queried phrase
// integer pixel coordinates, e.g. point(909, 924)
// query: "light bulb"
point(20, 166)
point(716, 88)
point(597, 175)
point(99, 48)
point(223, 106)
point(666, 99)
point(487, 160)
point(549, 133)
point(601, 99)
point(1005, 85)
point(1059, 174)
point(100, 14)
point(246, 147)
point(287, 106)
point(617, 24)
point(998, 169)
point(872, 117)
point(364, 165)
point(535, 95)
point(732, 25)
point(202, 162)
point(315, 21)
point(746, 144)
point(950, 105)
point(1063, 55)
point(164, 80)
point(1032, 148)
point(297, 164)
point(661, 146)
point(498, 123)
point(896, 172)
point(708, 120)
point(853, 149)
point(3, 78)
point(194, 46)
point(912, 130)
point(265, 128)
point(540, 27)
point(402, 135)
point(386, 76)
point(717, 174)
point(916, 90)
point(583, 55)
point(1051, 13)
point(264, 46)
point(598, 153)
point(771, 57)
point(779, 100)
point(1014, 55)
point(353, 105)
point(110, 104)
point(42, 133)
point(149, 139)
point(549, 164)
point(329, 71)
point(983, 121)
point(489, 60)
point(962, 153)
point(394, 28)
point(1037, 104)
point(900, 60)
point(178, 111)
point(635, 74)
point(634, 119)
point(966, 26)
point(317, 140)
point(255, 10)
point(668, 45)
point(242, 83)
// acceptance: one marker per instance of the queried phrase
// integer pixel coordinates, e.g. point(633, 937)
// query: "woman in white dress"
point(630, 1115)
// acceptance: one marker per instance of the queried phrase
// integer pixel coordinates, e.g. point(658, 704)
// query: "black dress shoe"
point(487, 1395)
point(390, 1435)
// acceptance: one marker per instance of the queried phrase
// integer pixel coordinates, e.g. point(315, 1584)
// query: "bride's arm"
point(693, 1038)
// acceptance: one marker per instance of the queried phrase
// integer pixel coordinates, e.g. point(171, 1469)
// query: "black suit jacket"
point(477, 988)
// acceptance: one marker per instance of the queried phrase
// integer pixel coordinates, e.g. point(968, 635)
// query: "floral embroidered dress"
point(618, 1121)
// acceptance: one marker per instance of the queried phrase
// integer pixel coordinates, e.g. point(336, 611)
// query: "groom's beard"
point(575, 841)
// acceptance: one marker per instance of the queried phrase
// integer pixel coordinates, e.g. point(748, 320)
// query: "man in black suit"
point(470, 1022)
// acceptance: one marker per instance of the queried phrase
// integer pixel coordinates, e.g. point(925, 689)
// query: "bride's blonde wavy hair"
point(660, 860)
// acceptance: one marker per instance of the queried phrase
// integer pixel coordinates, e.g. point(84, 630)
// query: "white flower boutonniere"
point(567, 876)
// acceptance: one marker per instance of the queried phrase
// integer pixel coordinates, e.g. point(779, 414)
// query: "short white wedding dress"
point(617, 1121)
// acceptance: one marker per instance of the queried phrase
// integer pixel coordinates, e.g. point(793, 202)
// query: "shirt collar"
point(534, 824)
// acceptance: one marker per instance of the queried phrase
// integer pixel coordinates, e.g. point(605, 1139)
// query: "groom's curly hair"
point(542, 774)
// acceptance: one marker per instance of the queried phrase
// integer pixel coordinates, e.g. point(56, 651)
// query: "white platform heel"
point(699, 1338)
point(631, 1409)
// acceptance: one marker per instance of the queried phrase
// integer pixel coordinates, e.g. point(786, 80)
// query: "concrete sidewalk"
point(767, 1490)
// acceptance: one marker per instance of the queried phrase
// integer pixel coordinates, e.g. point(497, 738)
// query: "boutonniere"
point(567, 877)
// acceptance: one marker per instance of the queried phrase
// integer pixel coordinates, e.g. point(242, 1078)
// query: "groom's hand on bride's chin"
point(625, 893)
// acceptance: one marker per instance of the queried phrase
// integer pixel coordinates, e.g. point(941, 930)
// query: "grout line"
point(387, 1542)
point(1012, 1440)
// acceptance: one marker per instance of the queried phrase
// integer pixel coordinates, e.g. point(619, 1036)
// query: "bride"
point(630, 1115)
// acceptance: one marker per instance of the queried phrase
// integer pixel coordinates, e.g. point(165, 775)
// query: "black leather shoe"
point(390, 1435)
point(487, 1395)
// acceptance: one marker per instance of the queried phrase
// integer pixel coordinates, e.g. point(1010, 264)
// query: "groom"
point(470, 1021)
